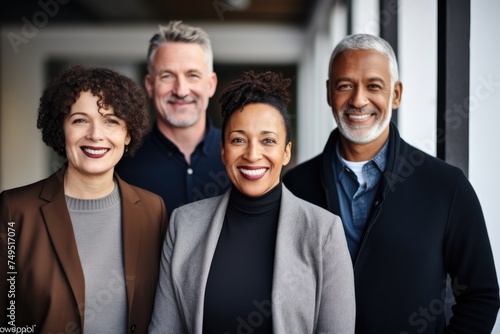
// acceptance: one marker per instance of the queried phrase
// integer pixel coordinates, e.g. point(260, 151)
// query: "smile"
point(94, 152)
point(253, 172)
point(359, 117)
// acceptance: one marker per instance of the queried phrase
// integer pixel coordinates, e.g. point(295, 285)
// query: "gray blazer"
point(313, 284)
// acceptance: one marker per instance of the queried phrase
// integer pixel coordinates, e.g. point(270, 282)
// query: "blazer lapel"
point(286, 277)
point(56, 216)
point(131, 226)
point(215, 226)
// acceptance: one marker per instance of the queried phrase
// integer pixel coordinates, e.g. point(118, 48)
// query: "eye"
point(374, 87)
point(344, 86)
point(78, 121)
point(237, 140)
point(166, 76)
point(111, 121)
point(194, 75)
point(268, 141)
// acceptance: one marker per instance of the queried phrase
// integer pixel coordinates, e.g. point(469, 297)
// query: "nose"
point(252, 152)
point(95, 132)
point(181, 87)
point(358, 98)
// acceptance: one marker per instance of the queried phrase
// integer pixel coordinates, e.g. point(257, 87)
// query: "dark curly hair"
point(128, 100)
point(267, 87)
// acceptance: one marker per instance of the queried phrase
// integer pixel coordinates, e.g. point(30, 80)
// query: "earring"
point(126, 148)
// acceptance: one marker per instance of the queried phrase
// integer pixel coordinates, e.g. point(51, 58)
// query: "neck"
point(186, 139)
point(82, 186)
point(361, 152)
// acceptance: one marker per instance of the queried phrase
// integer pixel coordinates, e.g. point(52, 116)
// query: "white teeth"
point(253, 171)
point(357, 116)
point(91, 151)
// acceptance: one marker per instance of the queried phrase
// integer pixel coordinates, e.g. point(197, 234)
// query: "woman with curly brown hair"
point(256, 259)
point(80, 250)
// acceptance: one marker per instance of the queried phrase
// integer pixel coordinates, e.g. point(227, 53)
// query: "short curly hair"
point(266, 87)
point(129, 102)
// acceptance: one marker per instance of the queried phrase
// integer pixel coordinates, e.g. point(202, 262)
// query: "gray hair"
point(368, 42)
point(176, 31)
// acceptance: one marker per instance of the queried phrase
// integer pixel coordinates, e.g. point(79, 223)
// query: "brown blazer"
point(49, 282)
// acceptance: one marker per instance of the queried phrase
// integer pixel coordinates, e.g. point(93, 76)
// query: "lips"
point(94, 152)
point(252, 173)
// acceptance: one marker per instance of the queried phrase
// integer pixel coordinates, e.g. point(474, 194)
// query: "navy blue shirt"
point(357, 200)
point(160, 167)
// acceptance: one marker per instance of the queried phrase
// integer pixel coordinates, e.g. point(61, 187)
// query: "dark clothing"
point(160, 167)
point(426, 222)
point(241, 273)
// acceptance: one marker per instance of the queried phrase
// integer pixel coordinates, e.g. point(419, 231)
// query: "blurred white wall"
point(484, 155)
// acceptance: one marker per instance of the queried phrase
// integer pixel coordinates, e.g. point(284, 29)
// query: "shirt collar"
point(379, 160)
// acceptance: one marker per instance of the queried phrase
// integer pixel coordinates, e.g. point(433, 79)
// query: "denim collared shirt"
point(356, 201)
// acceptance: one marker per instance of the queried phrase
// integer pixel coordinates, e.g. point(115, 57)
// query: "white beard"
point(365, 136)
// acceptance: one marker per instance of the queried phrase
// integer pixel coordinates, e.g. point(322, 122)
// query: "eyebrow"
point(85, 114)
point(263, 132)
point(372, 79)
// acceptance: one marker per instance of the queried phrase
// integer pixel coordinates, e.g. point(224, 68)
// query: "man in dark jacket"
point(412, 222)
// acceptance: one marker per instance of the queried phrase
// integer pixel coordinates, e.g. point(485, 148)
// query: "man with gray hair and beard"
point(412, 222)
point(180, 160)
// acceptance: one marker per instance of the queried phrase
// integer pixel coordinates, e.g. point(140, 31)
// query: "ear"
point(328, 93)
point(128, 139)
point(396, 94)
point(288, 154)
point(212, 84)
point(149, 82)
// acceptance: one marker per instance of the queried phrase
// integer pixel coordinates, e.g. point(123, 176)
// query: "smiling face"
point(95, 138)
point(362, 96)
point(180, 84)
point(255, 149)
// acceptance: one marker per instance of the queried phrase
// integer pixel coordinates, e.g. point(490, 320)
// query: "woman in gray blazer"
point(256, 259)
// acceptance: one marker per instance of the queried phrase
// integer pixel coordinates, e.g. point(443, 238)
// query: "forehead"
point(180, 54)
point(258, 116)
point(363, 63)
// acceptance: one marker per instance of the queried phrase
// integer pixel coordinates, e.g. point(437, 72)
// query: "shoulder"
point(34, 190)
point(204, 207)
point(415, 159)
point(137, 194)
point(308, 214)
point(306, 206)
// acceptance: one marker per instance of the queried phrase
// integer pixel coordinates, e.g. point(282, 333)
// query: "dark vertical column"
point(389, 30)
point(453, 82)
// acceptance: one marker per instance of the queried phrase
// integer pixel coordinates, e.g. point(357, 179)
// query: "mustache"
point(184, 99)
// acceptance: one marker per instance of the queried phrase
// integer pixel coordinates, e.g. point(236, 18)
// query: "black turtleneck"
point(239, 286)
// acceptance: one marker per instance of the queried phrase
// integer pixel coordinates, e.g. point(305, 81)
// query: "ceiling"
point(291, 12)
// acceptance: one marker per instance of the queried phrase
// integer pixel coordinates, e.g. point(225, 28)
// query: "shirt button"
point(132, 329)
point(190, 171)
point(376, 203)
